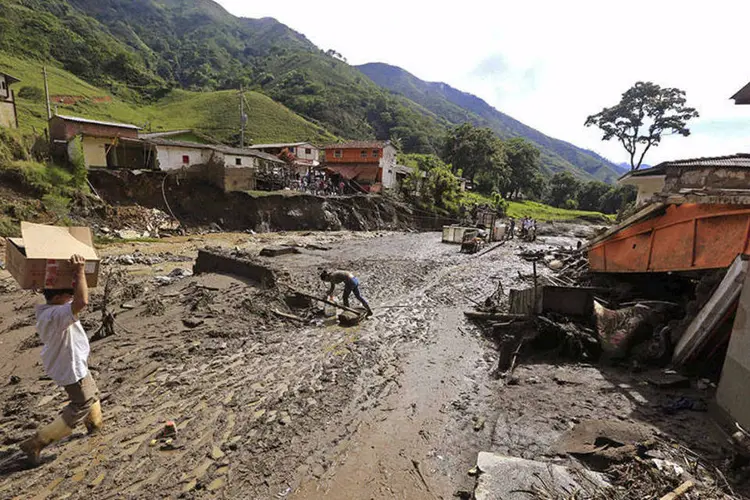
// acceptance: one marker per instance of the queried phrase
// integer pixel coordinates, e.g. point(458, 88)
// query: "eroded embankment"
point(197, 203)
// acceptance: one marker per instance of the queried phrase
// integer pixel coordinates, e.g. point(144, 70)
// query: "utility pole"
point(242, 119)
point(46, 92)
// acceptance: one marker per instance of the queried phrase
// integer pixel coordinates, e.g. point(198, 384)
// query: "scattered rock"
point(15, 379)
point(216, 453)
point(285, 419)
point(96, 482)
point(192, 322)
point(479, 423)
point(216, 484)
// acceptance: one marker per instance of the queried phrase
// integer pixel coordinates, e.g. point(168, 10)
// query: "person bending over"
point(351, 285)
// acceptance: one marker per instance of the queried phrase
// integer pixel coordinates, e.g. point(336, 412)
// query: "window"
point(308, 151)
point(337, 153)
point(185, 159)
point(375, 153)
point(238, 161)
point(363, 154)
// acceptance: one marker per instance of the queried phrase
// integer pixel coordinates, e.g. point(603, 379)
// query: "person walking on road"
point(65, 359)
point(351, 285)
point(512, 227)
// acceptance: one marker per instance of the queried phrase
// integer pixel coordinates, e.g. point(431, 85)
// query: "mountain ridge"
point(457, 106)
point(141, 51)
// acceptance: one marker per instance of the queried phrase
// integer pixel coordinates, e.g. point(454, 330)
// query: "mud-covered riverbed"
point(266, 407)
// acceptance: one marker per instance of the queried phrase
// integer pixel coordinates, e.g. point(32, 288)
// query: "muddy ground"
point(268, 407)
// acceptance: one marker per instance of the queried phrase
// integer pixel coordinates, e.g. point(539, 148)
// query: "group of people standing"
point(527, 228)
point(318, 183)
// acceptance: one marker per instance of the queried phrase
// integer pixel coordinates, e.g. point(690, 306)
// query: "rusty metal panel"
point(597, 258)
point(672, 247)
point(683, 238)
point(720, 239)
point(623, 255)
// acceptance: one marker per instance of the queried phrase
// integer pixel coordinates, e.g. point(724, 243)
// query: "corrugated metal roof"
point(740, 160)
point(179, 144)
point(166, 133)
point(280, 145)
point(358, 145)
point(215, 147)
point(742, 96)
point(96, 122)
point(11, 78)
point(247, 152)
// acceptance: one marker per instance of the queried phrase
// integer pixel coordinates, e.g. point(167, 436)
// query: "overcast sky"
point(550, 63)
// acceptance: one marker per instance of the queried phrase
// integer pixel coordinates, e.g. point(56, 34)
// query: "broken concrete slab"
point(276, 251)
point(512, 478)
point(602, 442)
point(210, 261)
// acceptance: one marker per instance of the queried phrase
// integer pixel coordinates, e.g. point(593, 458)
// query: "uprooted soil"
point(271, 407)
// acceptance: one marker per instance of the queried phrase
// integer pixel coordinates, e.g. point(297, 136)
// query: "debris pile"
point(134, 221)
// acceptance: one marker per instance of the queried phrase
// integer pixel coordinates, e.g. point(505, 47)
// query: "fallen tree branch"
point(287, 316)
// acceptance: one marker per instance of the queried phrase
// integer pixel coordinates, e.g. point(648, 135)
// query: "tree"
point(590, 195)
point(645, 113)
point(537, 187)
point(562, 187)
point(479, 154)
point(522, 158)
point(617, 198)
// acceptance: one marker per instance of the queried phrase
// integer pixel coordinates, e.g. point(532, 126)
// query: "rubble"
point(511, 478)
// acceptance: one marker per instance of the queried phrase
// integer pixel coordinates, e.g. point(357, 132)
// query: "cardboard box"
point(41, 257)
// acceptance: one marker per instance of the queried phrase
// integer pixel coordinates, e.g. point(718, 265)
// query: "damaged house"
point(369, 164)
point(694, 224)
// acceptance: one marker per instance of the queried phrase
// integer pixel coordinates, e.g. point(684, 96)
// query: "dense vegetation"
point(565, 191)
point(216, 114)
point(140, 50)
point(459, 107)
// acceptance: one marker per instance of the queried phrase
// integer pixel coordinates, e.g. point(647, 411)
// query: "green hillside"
point(154, 56)
point(458, 107)
point(139, 49)
point(212, 113)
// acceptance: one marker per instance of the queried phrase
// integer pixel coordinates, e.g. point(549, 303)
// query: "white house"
point(306, 155)
point(173, 155)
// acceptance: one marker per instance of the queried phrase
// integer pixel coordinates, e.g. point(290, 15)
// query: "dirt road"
point(266, 407)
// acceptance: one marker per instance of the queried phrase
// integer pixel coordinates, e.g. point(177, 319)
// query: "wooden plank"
point(708, 317)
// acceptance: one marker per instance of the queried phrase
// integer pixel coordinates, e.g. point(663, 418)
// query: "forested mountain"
point(142, 51)
point(458, 107)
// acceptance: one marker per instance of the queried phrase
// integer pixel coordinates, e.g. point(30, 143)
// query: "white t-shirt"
point(66, 347)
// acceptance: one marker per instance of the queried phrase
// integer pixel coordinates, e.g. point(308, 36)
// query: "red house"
point(371, 164)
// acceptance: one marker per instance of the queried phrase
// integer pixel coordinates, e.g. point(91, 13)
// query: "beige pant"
point(82, 395)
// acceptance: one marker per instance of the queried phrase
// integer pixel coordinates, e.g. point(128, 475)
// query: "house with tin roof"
point(369, 164)
point(717, 179)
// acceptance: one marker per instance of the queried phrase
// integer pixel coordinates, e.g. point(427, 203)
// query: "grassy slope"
point(543, 212)
point(214, 113)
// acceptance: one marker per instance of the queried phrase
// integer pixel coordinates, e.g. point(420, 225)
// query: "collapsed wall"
point(197, 203)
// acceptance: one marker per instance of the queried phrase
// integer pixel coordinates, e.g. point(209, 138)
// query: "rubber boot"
point(48, 434)
point(93, 420)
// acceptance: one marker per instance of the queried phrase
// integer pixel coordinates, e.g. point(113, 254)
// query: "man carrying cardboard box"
point(65, 358)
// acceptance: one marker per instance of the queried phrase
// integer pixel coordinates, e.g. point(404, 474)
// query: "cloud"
point(493, 66)
point(550, 64)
